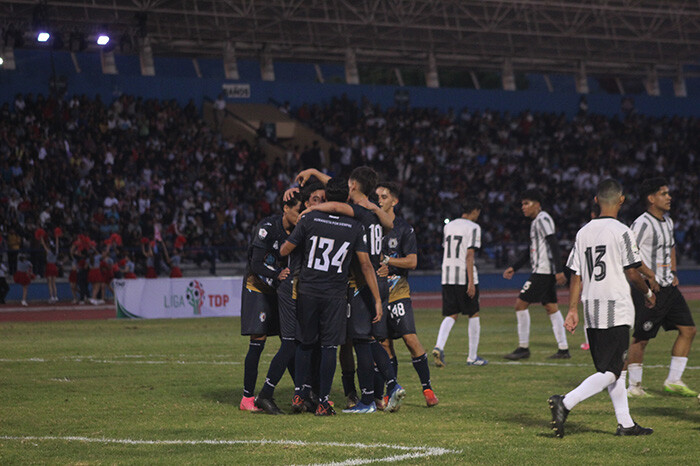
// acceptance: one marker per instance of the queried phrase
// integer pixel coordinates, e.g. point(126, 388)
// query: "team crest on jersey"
point(263, 317)
point(647, 325)
point(393, 243)
point(276, 245)
point(262, 233)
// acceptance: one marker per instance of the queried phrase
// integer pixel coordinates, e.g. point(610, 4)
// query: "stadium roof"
point(615, 37)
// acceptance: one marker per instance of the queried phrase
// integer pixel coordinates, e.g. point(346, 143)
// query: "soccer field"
point(167, 392)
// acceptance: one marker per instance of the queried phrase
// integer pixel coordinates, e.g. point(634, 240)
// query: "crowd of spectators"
point(136, 167)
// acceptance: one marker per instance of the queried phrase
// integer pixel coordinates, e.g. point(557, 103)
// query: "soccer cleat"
point(585, 346)
point(679, 388)
point(395, 399)
point(248, 404)
point(381, 403)
point(561, 354)
point(430, 398)
point(325, 409)
point(479, 361)
point(518, 353)
point(559, 414)
point(298, 405)
point(636, 391)
point(268, 405)
point(439, 357)
point(352, 400)
point(636, 429)
point(361, 408)
point(24, 303)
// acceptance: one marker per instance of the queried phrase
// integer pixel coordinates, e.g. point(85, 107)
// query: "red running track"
point(42, 312)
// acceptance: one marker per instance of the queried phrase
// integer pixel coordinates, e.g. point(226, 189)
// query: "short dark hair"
point(391, 186)
point(651, 186)
point(608, 191)
point(337, 190)
point(532, 195)
point(310, 188)
point(470, 204)
point(293, 200)
point(366, 178)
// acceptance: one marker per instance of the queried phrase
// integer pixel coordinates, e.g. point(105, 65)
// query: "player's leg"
point(679, 317)
point(558, 329)
point(250, 370)
point(359, 328)
point(450, 313)
point(474, 329)
point(256, 318)
point(382, 362)
point(635, 361)
point(347, 367)
point(522, 314)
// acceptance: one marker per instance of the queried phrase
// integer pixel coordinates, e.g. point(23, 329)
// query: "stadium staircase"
point(252, 121)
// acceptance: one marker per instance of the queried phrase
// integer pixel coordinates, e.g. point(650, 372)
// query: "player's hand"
point(508, 273)
point(283, 274)
point(306, 211)
point(654, 285)
point(650, 302)
point(304, 176)
point(383, 271)
point(471, 290)
point(561, 278)
point(369, 205)
point(571, 321)
point(675, 282)
point(378, 311)
point(288, 194)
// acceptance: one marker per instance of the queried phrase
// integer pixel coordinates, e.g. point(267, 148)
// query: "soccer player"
point(400, 254)
point(460, 281)
point(654, 231)
point(603, 259)
point(51, 271)
point(329, 243)
point(547, 273)
point(259, 313)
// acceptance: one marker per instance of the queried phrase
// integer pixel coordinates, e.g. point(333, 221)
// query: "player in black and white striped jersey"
point(547, 273)
point(604, 260)
point(654, 231)
point(460, 280)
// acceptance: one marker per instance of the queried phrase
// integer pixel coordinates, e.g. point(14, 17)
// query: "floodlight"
point(43, 36)
point(1, 61)
point(102, 39)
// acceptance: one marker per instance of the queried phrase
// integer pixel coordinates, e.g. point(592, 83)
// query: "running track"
point(42, 312)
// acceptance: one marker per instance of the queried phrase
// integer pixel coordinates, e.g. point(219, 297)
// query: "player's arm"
point(650, 276)
point(332, 207)
point(522, 259)
point(571, 321)
point(409, 262)
point(471, 287)
point(258, 266)
point(674, 269)
point(296, 237)
point(556, 256)
point(304, 176)
point(384, 217)
point(637, 280)
point(287, 248)
point(371, 279)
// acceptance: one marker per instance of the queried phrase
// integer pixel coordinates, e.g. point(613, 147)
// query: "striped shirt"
point(541, 258)
point(656, 242)
point(459, 236)
point(604, 248)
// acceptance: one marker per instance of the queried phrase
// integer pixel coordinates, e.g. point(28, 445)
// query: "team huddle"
point(330, 273)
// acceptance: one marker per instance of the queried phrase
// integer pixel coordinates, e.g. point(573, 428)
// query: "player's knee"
point(688, 332)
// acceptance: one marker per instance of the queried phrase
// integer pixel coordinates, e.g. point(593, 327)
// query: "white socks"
point(595, 383)
point(474, 332)
point(523, 328)
point(635, 371)
point(618, 395)
point(675, 370)
point(445, 329)
point(559, 330)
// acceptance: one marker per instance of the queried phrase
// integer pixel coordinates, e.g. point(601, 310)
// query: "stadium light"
point(102, 39)
point(1, 61)
point(43, 36)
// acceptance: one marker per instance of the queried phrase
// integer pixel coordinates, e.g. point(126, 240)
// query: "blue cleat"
point(479, 361)
point(361, 408)
point(395, 399)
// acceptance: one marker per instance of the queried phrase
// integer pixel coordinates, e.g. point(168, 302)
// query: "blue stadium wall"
point(297, 83)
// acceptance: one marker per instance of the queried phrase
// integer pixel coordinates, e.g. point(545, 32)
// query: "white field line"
point(412, 452)
point(133, 360)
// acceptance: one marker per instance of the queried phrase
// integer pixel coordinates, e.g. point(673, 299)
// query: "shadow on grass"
point(571, 428)
point(673, 412)
point(226, 396)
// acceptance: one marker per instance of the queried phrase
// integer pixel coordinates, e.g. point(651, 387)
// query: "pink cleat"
point(585, 346)
point(248, 404)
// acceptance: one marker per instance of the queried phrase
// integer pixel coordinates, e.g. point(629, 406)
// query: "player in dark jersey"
point(400, 253)
point(329, 242)
point(259, 314)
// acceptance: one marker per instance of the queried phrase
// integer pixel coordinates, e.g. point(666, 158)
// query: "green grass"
point(182, 380)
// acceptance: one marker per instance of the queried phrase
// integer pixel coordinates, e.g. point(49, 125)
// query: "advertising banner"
point(169, 298)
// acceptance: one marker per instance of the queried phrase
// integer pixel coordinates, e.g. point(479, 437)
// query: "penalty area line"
point(412, 452)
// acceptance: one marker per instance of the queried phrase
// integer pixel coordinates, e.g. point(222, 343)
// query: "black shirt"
point(399, 242)
point(329, 243)
point(263, 271)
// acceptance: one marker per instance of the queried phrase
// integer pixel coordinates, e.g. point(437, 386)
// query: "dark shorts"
point(360, 326)
point(670, 311)
point(288, 313)
point(539, 288)
point(321, 319)
point(401, 321)
point(609, 348)
point(455, 300)
point(259, 314)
